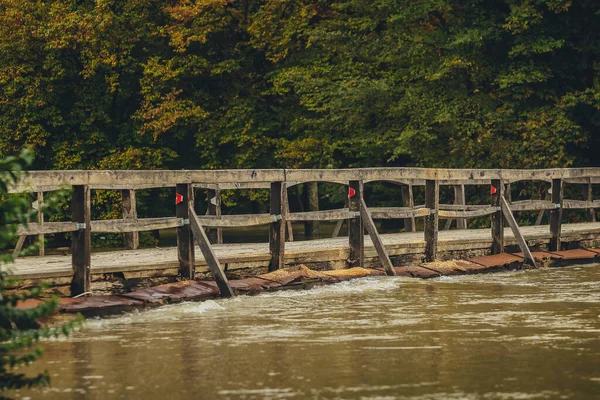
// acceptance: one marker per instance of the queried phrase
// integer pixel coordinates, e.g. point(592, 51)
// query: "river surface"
point(518, 335)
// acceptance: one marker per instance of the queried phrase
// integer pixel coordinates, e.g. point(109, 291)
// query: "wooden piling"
point(355, 226)
point(432, 201)
point(556, 214)
point(132, 239)
point(497, 218)
point(185, 239)
point(209, 255)
point(215, 235)
point(278, 207)
point(376, 239)
point(81, 240)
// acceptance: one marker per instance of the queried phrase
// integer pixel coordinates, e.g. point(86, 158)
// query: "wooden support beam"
point(22, 237)
point(408, 201)
point(590, 198)
point(538, 220)
point(516, 231)
point(432, 202)
point(376, 239)
point(337, 228)
point(40, 218)
point(497, 218)
point(214, 208)
point(356, 237)
point(81, 240)
point(556, 214)
point(278, 207)
point(19, 245)
point(132, 239)
point(185, 240)
point(209, 255)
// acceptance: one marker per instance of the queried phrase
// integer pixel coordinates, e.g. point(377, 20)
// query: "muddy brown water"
point(517, 335)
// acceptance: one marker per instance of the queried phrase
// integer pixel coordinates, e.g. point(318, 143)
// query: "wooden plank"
point(376, 239)
point(132, 239)
point(233, 185)
point(185, 239)
point(128, 179)
point(209, 255)
point(278, 208)
point(397, 212)
point(466, 207)
point(125, 178)
point(41, 221)
point(143, 224)
point(497, 224)
point(356, 238)
point(575, 204)
point(214, 208)
point(531, 205)
point(432, 201)
point(556, 214)
point(323, 215)
point(239, 220)
point(516, 231)
point(47, 228)
point(81, 240)
point(462, 215)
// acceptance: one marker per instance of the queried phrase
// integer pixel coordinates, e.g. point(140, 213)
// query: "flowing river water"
point(515, 335)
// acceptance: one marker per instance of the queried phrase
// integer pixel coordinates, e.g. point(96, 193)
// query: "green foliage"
point(263, 83)
point(20, 329)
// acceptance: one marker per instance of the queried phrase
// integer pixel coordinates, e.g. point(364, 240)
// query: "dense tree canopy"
point(309, 83)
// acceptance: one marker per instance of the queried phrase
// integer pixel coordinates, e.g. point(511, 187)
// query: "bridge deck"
point(163, 261)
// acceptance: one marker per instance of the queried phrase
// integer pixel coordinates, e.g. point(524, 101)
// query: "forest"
point(211, 84)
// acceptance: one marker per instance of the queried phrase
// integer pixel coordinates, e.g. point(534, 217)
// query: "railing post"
point(432, 201)
point(40, 218)
point(132, 239)
point(81, 240)
point(185, 240)
point(214, 208)
point(278, 208)
point(459, 198)
point(590, 198)
point(556, 214)
point(355, 225)
point(497, 217)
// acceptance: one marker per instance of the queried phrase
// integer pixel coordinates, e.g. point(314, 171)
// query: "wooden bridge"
point(355, 250)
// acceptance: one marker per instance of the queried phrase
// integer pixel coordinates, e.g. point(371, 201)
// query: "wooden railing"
point(279, 218)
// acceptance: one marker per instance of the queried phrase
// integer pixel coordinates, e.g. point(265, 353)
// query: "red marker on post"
point(493, 190)
point(351, 193)
point(178, 198)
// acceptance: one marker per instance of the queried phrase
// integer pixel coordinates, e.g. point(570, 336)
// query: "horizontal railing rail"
point(259, 178)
